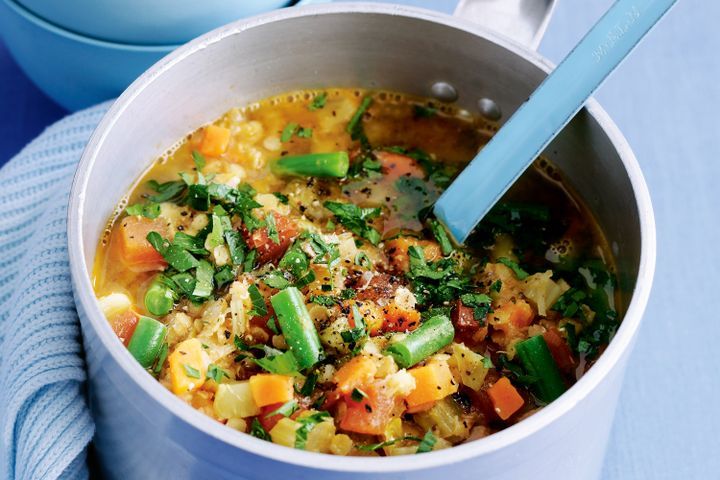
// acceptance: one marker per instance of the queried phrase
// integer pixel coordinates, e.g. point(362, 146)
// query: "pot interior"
point(364, 48)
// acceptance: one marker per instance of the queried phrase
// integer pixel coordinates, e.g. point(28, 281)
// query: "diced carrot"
point(399, 319)
point(123, 324)
point(188, 365)
point(268, 250)
point(214, 141)
point(397, 250)
point(505, 398)
point(269, 388)
point(433, 382)
point(560, 350)
point(136, 251)
point(358, 371)
point(517, 314)
point(370, 415)
point(395, 165)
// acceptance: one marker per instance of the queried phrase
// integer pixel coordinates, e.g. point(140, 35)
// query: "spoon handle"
point(534, 125)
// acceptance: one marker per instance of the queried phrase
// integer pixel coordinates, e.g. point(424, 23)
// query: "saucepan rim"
point(85, 297)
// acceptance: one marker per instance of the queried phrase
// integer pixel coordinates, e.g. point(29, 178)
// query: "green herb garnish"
point(191, 371)
point(355, 219)
point(318, 102)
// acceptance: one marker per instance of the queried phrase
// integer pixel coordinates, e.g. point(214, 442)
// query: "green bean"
point(297, 326)
point(159, 298)
point(434, 334)
point(333, 164)
point(535, 356)
point(147, 341)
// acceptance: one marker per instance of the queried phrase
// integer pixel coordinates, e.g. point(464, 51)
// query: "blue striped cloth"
point(44, 417)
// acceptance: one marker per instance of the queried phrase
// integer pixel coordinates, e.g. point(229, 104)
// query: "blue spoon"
point(538, 121)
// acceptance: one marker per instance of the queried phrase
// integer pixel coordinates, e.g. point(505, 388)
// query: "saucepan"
point(144, 431)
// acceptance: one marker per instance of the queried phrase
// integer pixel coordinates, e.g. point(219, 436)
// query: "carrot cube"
point(269, 388)
point(433, 382)
point(505, 398)
point(215, 141)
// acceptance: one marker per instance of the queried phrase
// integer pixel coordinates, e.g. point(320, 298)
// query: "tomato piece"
point(268, 250)
point(371, 415)
point(560, 351)
point(395, 165)
point(136, 251)
point(123, 324)
point(268, 422)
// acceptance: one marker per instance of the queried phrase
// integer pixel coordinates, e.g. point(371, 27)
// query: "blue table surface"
point(666, 100)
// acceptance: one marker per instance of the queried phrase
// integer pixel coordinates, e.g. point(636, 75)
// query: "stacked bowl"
point(81, 52)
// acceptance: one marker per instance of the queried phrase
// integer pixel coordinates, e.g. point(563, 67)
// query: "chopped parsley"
point(480, 304)
point(199, 160)
point(190, 371)
point(276, 361)
point(423, 111)
point(149, 210)
point(304, 132)
point(272, 231)
point(375, 446)
point(258, 301)
point(435, 283)
point(306, 425)
point(286, 409)
point(282, 198)
point(519, 272)
point(318, 102)
point(355, 219)
point(358, 395)
point(309, 386)
point(427, 443)
point(441, 235)
point(272, 326)
point(216, 373)
point(257, 430)
point(288, 132)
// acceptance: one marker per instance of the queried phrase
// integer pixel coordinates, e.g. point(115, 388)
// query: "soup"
point(280, 270)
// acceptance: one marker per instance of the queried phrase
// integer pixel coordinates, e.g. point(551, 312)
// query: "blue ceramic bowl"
point(73, 70)
point(146, 22)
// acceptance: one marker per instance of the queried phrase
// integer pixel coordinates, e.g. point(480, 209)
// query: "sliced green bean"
point(147, 341)
point(535, 356)
point(334, 164)
point(434, 334)
point(297, 326)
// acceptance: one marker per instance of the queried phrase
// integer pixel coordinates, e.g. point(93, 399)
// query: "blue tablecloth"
point(665, 99)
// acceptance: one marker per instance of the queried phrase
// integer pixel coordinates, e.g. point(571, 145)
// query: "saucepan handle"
point(523, 21)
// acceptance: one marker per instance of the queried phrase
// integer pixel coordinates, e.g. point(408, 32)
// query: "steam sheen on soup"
point(281, 271)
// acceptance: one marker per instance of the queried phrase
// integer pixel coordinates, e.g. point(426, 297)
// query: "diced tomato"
point(372, 414)
point(268, 422)
point(136, 251)
point(268, 250)
point(560, 351)
point(398, 319)
point(397, 251)
point(395, 165)
point(123, 324)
